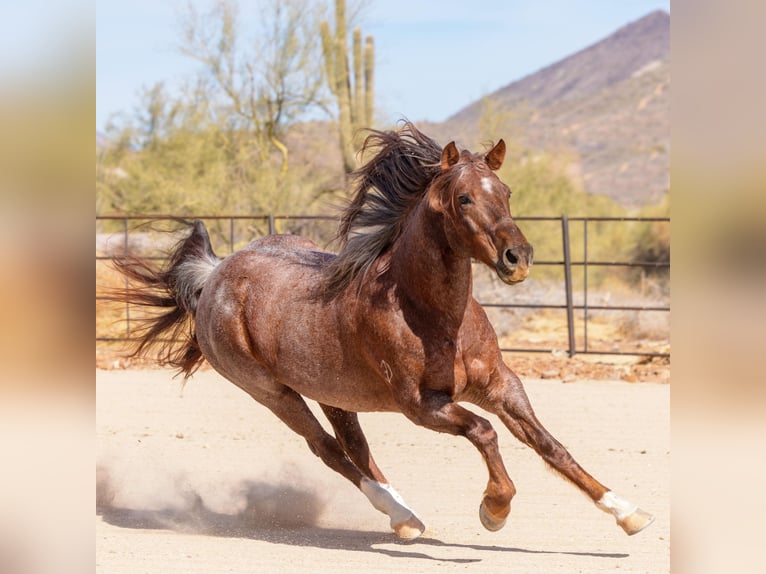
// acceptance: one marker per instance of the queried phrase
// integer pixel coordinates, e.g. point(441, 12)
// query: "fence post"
point(125, 252)
point(272, 227)
point(568, 283)
point(585, 284)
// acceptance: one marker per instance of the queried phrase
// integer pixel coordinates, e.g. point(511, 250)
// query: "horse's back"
point(257, 282)
point(284, 245)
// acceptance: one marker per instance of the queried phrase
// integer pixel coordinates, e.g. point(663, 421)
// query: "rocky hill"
point(607, 106)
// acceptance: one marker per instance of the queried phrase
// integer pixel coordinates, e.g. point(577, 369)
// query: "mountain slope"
point(608, 105)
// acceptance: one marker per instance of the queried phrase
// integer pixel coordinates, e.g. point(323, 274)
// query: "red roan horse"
point(387, 324)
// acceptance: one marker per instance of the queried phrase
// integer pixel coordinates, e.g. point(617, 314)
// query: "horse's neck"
point(427, 269)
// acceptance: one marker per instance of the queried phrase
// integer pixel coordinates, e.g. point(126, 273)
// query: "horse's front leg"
point(436, 410)
point(516, 412)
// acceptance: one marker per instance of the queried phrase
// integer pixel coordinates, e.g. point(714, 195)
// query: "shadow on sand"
point(264, 518)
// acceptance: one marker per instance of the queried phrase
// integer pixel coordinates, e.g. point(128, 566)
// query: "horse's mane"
point(384, 191)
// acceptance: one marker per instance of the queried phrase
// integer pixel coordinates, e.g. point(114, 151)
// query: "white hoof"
point(488, 521)
point(629, 516)
point(636, 521)
point(410, 529)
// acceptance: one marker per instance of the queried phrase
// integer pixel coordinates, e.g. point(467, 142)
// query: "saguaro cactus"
point(355, 107)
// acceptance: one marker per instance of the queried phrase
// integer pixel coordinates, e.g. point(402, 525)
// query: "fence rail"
point(270, 224)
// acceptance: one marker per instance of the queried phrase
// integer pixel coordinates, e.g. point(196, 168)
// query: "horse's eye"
point(464, 200)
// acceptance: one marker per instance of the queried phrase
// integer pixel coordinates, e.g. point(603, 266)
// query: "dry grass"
point(110, 316)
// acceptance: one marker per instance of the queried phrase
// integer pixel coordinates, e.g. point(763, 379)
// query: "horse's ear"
point(495, 156)
point(450, 156)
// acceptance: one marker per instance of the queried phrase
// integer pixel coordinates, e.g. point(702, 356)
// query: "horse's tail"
point(175, 288)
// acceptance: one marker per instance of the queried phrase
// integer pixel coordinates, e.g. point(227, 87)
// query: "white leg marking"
point(618, 507)
point(387, 500)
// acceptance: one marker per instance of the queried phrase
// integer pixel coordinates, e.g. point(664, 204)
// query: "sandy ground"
point(203, 479)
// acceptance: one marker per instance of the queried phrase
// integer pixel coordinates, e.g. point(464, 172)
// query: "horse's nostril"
point(510, 257)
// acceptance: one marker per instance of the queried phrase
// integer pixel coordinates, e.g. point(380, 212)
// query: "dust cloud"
point(146, 499)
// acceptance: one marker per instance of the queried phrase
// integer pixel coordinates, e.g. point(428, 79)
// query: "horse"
point(388, 323)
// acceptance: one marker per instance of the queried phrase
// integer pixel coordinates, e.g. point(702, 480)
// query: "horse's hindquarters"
point(260, 323)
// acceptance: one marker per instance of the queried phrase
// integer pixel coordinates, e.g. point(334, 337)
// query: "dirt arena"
point(203, 479)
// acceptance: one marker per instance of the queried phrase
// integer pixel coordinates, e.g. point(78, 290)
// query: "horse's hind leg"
point(374, 485)
point(517, 414)
point(290, 407)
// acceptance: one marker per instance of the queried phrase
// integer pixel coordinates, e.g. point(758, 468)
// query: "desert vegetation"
point(265, 128)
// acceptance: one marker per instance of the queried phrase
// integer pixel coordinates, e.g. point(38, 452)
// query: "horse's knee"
point(482, 432)
point(543, 443)
point(553, 452)
point(546, 446)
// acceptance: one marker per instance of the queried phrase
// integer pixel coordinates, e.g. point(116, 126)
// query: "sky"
point(433, 57)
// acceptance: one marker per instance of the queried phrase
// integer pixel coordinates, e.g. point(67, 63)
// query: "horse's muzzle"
point(514, 263)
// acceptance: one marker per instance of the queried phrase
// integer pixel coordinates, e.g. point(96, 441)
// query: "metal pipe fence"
point(233, 231)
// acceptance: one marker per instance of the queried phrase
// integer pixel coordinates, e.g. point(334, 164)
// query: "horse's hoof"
point(409, 529)
point(636, 521)
point(488, 521)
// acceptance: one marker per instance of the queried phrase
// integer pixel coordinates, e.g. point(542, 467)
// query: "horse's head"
point(477, 217)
